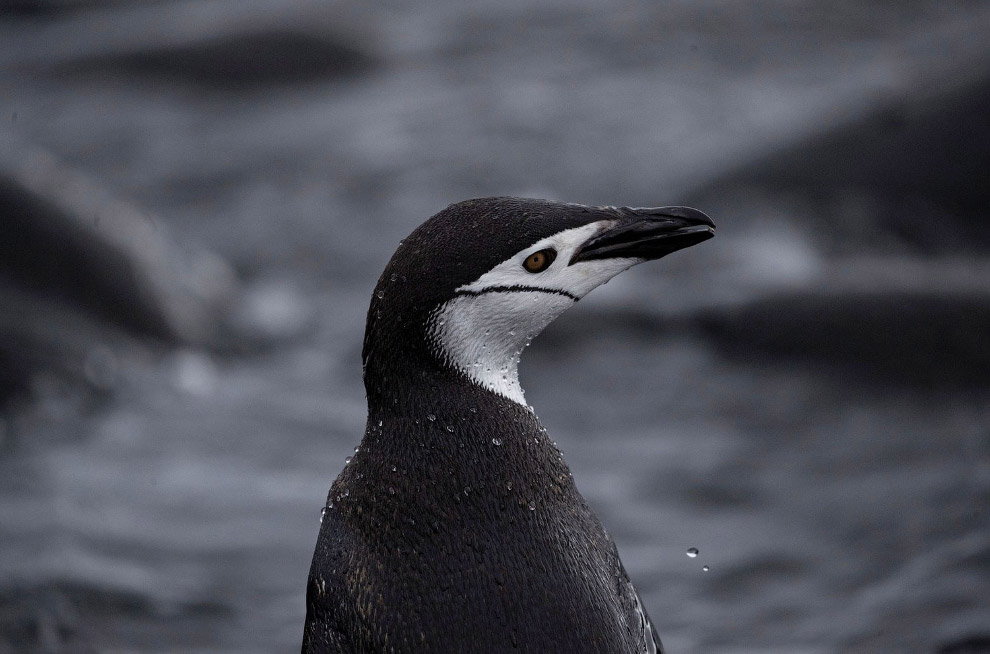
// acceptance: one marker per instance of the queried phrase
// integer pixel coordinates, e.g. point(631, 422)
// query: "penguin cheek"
point(535, 311)
point(494, 326)
point(507, 318)
point(585, 276)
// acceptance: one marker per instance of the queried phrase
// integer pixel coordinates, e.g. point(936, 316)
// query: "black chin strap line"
point(516, 289)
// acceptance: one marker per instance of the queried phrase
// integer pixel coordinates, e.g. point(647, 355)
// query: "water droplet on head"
point(394, 468)
point(473, 410)
point(381, 422)
point(450, 429)
point(508, 485)
point(380, 294)
point(532, 505)
point(347, 460)
point(692, 552)
point(431, 417)
point(393, 277)
point(496, 441)
point(323, 514)
point(391, 491)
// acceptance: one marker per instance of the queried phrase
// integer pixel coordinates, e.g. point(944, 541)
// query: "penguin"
point(456, 526)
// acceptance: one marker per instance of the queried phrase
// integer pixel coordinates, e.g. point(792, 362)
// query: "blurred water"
point(712, 400)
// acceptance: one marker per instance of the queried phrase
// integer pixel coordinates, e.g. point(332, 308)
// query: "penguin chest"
point(508, 578)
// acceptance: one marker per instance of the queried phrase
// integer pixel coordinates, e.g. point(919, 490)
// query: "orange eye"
point(539, 261)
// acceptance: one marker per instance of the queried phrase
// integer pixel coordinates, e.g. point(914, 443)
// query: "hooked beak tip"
point(648, 233)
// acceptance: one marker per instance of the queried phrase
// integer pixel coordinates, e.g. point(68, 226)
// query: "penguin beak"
point(648, 234)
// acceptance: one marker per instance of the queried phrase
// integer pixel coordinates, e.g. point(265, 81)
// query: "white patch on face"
point(483, 331)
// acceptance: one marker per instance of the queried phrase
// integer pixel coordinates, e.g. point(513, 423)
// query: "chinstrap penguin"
point(456, 526)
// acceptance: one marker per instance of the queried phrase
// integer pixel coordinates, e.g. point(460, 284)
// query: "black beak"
point(648, 234)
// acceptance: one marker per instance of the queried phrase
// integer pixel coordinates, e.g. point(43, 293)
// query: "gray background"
point(197, 198)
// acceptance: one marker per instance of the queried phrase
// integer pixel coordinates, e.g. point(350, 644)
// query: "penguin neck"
point(408, 396)
point(463, 435)
point(447, 359)
point(487, 357)
point(483, 334)
point(428, 419)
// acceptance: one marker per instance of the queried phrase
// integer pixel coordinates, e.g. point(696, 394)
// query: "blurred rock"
point(232, 62)
point(910, 175)
point(39, 7)
point(977, 644)
point(69, 239)
point(892, 280)
point(40, 334)
point(78, 268)
point(930, 340)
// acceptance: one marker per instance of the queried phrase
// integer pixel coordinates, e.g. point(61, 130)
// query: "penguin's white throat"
point(483, 336)
point(483, 330)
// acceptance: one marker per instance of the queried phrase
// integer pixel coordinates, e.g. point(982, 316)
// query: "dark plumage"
point(457, 526)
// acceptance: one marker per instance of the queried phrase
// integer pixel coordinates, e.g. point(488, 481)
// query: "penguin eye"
point(539, 261)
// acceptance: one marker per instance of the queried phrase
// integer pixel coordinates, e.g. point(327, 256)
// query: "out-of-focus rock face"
point(74, 240)
point(907, 177)
point(236, 62)
point(888, 213)
point(72, 250)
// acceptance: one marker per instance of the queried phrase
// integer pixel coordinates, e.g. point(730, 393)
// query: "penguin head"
point(469, 289)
